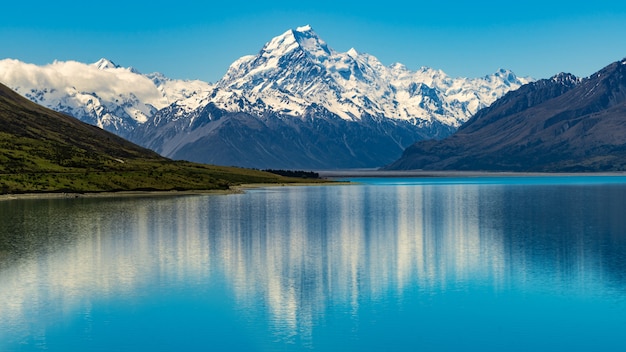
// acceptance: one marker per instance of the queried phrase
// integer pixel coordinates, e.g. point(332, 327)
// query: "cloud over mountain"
point(104, 94)
point(66, 77)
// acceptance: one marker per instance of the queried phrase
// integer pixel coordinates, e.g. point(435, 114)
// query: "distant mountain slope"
point(559, 124)
point(46, 151)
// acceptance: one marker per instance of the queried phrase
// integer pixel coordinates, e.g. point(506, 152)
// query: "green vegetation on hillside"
point(135, 175)
point(45, 151)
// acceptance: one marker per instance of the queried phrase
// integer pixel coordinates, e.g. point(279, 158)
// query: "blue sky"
point(199, 40)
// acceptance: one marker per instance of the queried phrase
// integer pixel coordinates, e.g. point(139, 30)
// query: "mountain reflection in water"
point(294, 261)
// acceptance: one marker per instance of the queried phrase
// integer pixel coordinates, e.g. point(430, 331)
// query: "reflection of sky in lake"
point(307, 264)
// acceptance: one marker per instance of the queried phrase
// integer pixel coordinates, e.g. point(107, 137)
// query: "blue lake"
point(389, 264)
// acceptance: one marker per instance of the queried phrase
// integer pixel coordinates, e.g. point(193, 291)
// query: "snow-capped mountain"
point(296, 103)
point(299, 103)
point(104, 94)
point(560, 124)
point(298, 68)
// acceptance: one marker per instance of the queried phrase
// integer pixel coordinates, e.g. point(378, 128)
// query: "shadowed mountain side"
point(46, 151)
point(318, 140)
point(553, 125)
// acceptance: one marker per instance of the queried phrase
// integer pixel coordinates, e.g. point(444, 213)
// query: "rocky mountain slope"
point(559, 124)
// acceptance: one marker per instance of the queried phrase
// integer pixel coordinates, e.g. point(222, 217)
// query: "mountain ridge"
point(572, 125)
point(352, 84)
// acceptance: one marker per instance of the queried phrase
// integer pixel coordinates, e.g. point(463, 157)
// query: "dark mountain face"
point(527, 96)
point(559, 124)
point(317, 140)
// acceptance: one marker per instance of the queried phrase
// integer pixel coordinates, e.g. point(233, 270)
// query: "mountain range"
point(561, 124)
point(103, 94)
point(297, 103)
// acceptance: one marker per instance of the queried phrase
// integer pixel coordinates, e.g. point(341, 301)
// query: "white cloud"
point(66, 76)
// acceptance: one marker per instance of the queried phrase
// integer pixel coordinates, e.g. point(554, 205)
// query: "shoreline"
point(447, 174)
point(329, 176)
point(122, 194)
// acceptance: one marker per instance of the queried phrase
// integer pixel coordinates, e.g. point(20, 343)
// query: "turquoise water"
point(442, 264)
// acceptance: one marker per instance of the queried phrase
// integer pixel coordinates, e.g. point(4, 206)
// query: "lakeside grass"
point(43, 151)
point(138, 176)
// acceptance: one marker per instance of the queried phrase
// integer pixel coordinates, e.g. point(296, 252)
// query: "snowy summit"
point(304, 28)
point(298, 68)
